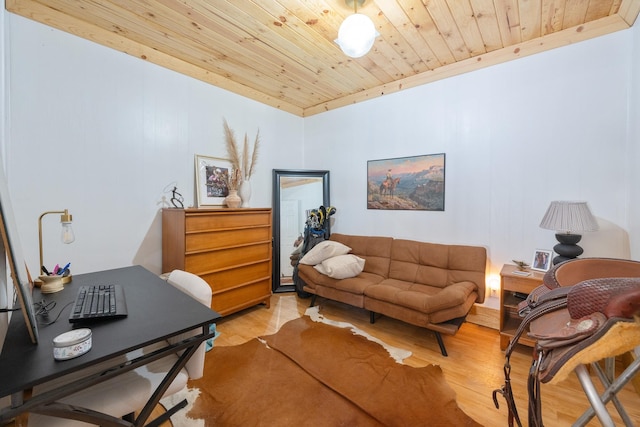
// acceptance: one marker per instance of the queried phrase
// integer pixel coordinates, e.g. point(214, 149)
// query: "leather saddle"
point(568, 321)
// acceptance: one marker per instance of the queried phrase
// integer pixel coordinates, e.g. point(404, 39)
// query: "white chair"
point(125, 394)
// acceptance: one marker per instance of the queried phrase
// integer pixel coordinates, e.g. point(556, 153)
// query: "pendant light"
point(357, 33)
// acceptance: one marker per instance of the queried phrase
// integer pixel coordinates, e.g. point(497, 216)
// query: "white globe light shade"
point(356, 35)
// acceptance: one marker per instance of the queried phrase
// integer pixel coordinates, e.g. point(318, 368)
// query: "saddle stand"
point(575, 326)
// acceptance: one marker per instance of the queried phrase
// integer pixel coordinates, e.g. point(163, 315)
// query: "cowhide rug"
point(317, 374)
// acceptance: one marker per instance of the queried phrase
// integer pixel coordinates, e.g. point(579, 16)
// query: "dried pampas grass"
point(232, 146)
point(244, 163)
point(248, 167)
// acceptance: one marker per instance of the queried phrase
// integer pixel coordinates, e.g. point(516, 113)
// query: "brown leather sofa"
point(425, 284)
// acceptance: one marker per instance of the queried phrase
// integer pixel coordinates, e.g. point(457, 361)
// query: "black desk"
point(157, 311)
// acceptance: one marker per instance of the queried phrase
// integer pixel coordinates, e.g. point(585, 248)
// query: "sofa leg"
point(441, 343)
point(313, 300)
point(372, 317)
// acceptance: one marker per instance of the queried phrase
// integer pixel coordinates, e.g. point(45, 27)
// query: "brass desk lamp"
point(50, 283)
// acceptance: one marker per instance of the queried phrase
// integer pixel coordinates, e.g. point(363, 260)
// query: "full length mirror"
point(295, 193)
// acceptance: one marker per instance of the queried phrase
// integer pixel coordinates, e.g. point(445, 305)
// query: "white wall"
point(633, 159)
point(6, 291)
point(103, 134)
point(516, 136)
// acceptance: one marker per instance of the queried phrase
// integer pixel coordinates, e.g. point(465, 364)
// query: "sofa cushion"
point(341, 266)
point(313, 279)
point(422, 298)
point(419, 262)
point(324, 250)
point(438, 265)
point(376, 251)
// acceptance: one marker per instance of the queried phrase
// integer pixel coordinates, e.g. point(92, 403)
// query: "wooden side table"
point(513, 289)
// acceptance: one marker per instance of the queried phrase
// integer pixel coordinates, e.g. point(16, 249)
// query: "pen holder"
point(52, 284)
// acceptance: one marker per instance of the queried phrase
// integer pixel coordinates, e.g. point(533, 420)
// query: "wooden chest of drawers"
point(229, 248)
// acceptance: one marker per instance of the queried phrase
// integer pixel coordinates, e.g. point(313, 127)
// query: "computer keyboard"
point(98, 302)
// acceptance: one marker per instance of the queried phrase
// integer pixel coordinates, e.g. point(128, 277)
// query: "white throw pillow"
point(297, 250)
point(324, 250)
point(341, 266)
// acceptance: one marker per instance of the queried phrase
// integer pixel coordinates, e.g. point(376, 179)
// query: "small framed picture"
point(211, 180)
point(541, 260)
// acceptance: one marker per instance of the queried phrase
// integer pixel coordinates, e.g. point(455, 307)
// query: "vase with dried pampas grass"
point(242, 164)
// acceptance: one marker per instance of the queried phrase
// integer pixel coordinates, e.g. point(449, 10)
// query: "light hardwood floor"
point(473, 369)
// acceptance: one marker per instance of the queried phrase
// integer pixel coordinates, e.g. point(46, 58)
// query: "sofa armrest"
point(456, 294)
point(310, 276)
point(453, 295)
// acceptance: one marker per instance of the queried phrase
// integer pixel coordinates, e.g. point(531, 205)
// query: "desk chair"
point(123, 395)
point(619, 339)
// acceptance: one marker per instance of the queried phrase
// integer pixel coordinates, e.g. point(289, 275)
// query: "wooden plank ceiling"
point(282, 52)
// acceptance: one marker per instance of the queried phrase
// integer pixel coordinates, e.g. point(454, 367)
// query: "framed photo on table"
point(541, 260)
point(212, 174)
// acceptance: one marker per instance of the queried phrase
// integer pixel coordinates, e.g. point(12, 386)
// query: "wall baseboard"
point(484, 316)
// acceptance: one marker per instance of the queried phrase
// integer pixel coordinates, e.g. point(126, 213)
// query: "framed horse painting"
point(407, 183)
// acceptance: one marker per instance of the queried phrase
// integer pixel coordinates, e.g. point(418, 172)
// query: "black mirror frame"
point(277, 175)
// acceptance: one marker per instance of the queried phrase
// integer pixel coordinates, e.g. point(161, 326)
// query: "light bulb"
point(356, 35)
point(494, 285)
point(67, 235)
